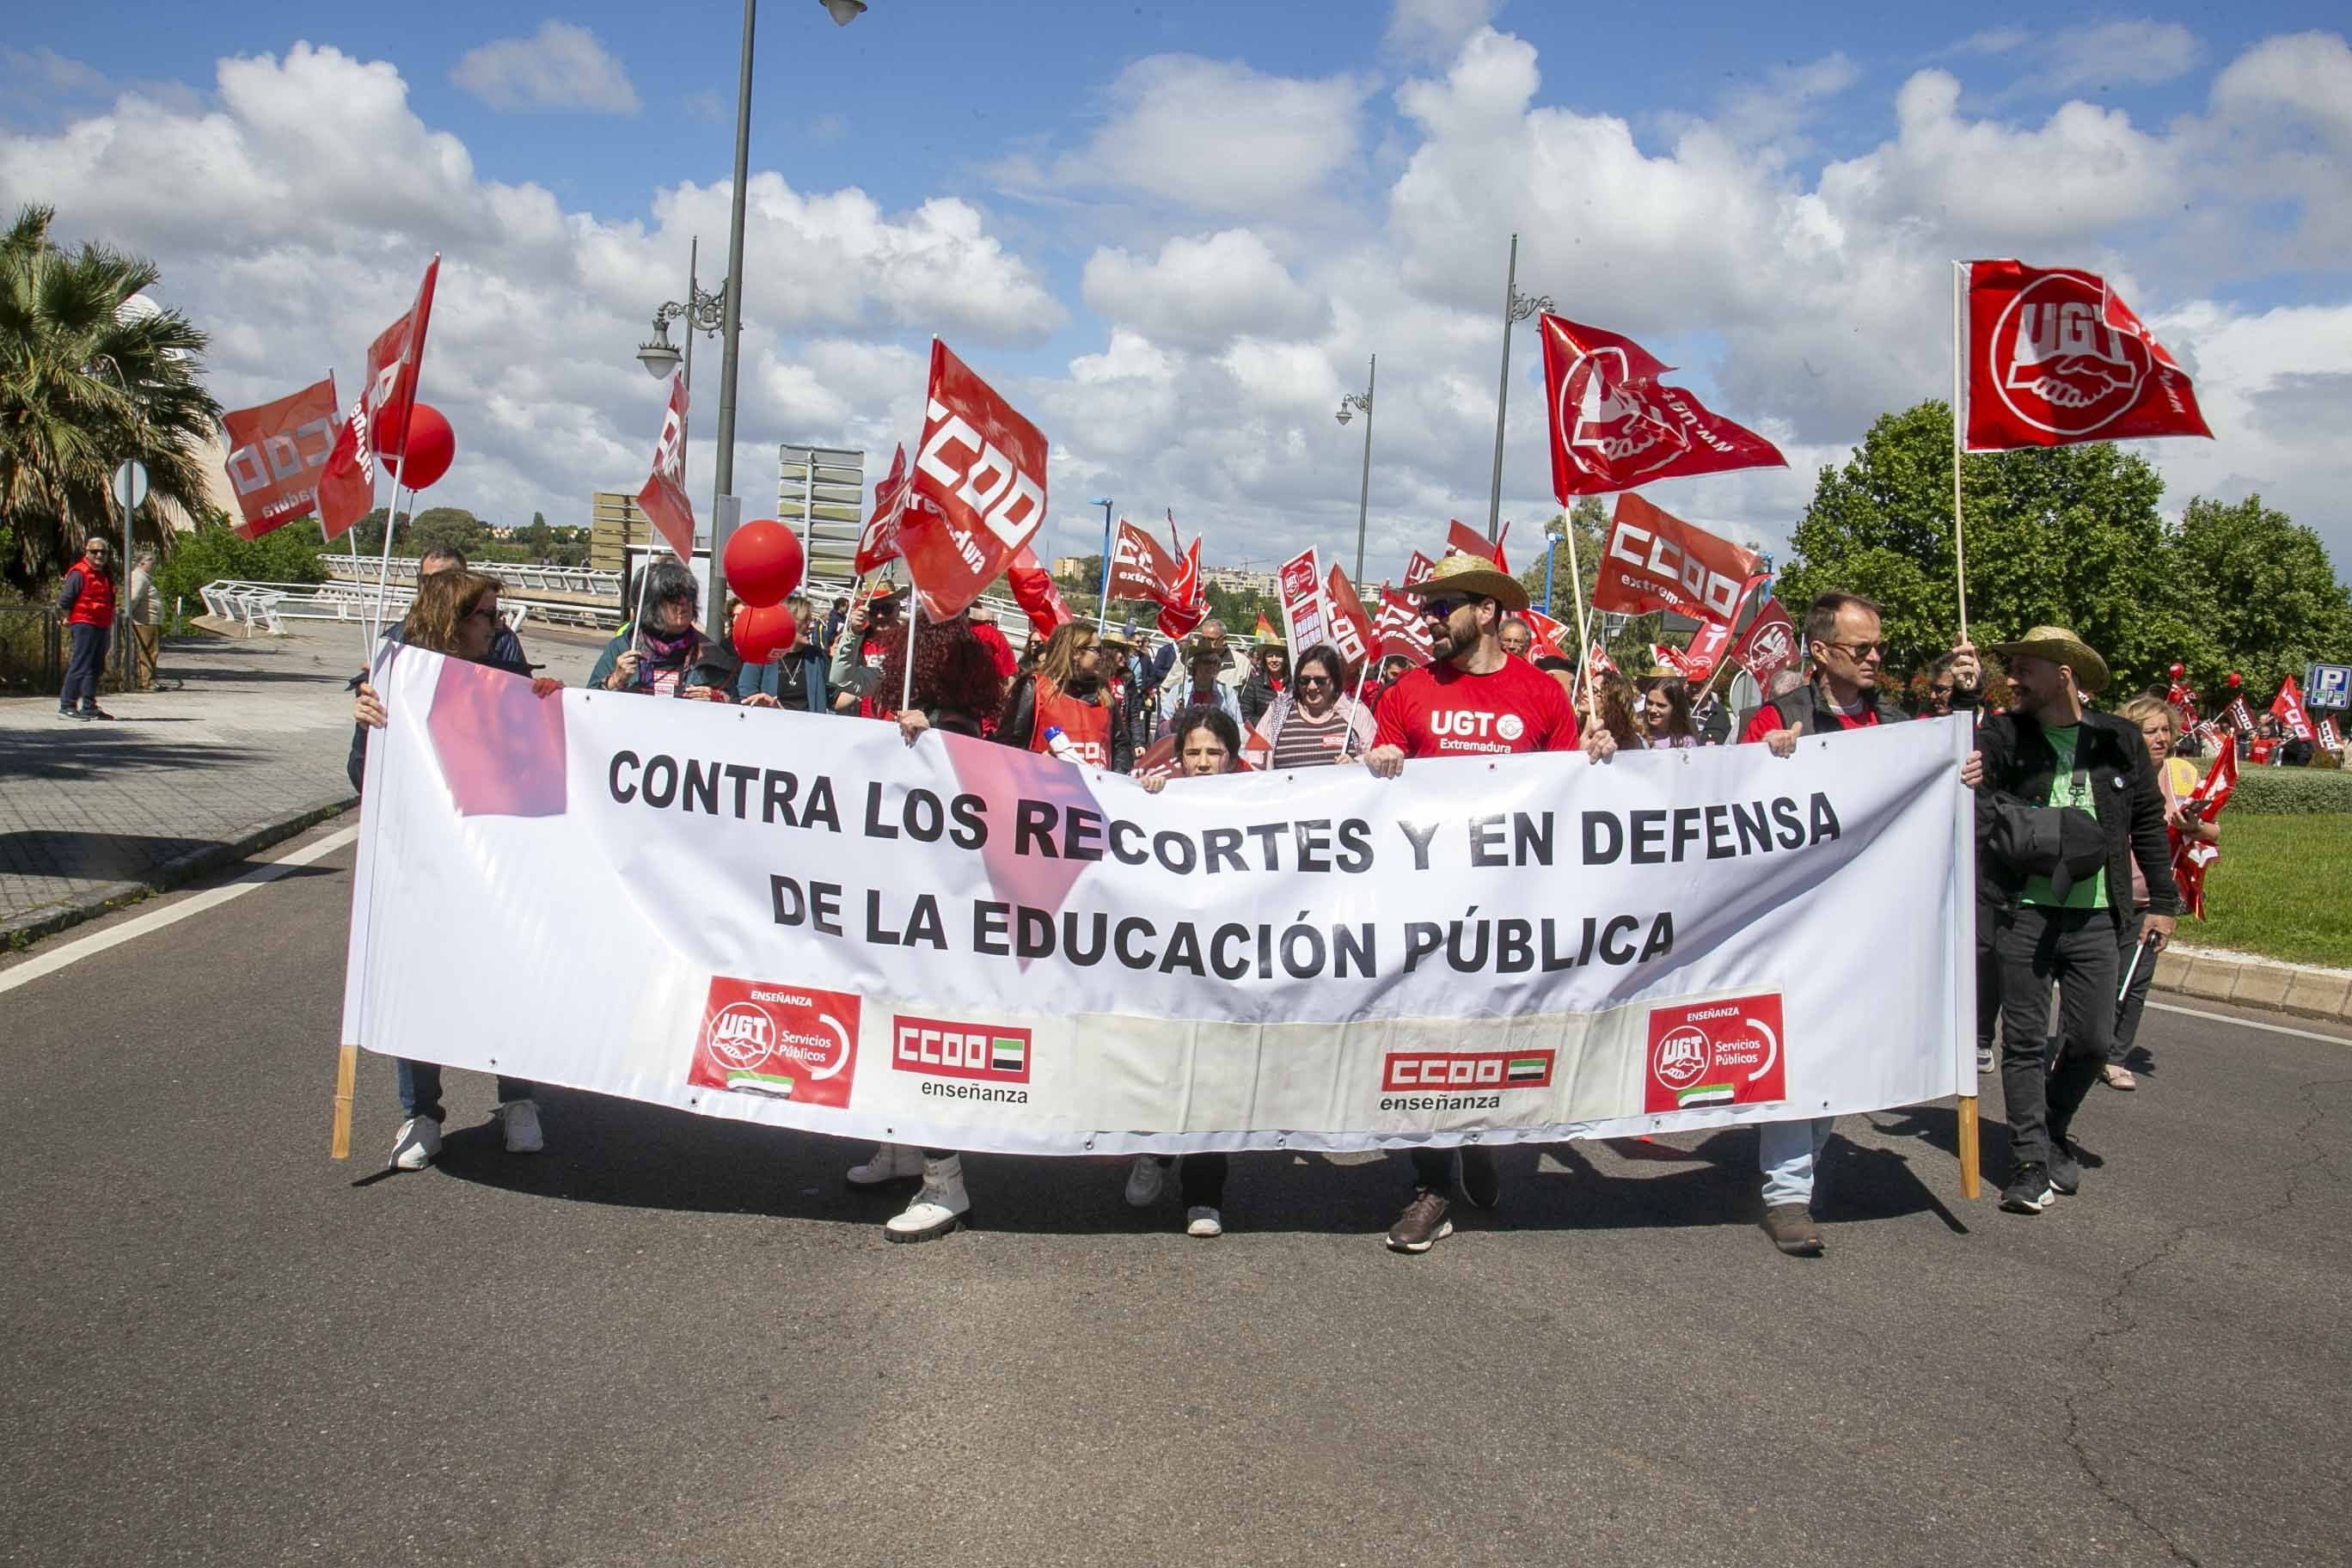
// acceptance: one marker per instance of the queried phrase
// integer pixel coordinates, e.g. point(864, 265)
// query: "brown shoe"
point(1791, 1228)
point(1422, 1224)
point(2120, 1078)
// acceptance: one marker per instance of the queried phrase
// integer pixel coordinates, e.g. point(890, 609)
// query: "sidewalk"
point(248, 750)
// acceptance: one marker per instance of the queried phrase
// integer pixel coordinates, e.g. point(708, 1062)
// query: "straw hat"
point(1475, 576)
point(2061, 645)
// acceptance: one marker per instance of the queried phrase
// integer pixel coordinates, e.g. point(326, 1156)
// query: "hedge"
point(2289, 792)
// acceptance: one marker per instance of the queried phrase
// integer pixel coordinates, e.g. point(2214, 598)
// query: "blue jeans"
point(1786, 1152)
point(420, 1088)
point(84, 665)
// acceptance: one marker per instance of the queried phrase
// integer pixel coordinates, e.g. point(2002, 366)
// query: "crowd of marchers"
point(2075, 806)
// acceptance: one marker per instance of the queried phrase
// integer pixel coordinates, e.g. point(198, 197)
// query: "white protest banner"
point(783, 917)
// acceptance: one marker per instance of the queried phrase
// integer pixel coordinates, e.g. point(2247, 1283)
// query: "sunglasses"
point(1440, 606)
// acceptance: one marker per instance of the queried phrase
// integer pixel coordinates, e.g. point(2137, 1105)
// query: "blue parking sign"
point(2327, 686)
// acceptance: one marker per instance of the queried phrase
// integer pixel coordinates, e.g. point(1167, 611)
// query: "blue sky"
point(1060, 130)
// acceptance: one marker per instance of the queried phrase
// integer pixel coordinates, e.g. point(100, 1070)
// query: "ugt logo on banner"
point(1715, 1053)
point(789, 1042)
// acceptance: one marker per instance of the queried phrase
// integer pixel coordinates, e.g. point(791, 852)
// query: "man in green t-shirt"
point(2049, 750)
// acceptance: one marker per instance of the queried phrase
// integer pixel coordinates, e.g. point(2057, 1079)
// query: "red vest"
point(1086, 724)
point(95, 605)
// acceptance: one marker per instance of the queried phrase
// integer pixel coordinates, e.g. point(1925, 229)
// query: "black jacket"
point(1808, 709)
point(1016, 723)
point(2020, 763)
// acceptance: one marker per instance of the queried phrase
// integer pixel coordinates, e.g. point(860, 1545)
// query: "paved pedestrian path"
point(246, 742)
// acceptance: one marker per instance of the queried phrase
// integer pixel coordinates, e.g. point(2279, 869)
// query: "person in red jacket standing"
point(1471, 700)
point(88, 605)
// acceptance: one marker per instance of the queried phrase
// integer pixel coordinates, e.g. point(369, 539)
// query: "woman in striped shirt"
point(1316, 722)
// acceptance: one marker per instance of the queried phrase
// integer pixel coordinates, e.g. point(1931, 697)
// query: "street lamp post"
point(703, 313)
point(1552, 531)
point(722, 495)
point(1348, 403)
point(1517, 307)
point(1102, 618)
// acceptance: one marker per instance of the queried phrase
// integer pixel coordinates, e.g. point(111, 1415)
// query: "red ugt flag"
point(1551, 638)
point(1769, 645)
point(978, 492)
point(2192, 858)
point(663, 497)
point(1615, 424)
point(276, 455)
point(2056, 356)
point(347, 484)
point(1401, 629)
point(1468, 541)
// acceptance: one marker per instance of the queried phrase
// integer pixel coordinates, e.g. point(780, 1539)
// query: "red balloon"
point(764, 631)
point(763, 562)
point(431, 445)
point(2175, 673)
point(2236, 679)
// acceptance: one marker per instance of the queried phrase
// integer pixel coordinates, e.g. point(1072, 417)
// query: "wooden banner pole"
point(1969, 1173)
point(347, 1072)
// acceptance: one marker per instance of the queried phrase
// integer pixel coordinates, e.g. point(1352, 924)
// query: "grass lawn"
point(2283, 889)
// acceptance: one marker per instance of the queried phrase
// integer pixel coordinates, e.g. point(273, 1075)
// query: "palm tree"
point(87, 382)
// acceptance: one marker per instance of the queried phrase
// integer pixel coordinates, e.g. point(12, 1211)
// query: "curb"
point(2213, 976)
point(22, 930)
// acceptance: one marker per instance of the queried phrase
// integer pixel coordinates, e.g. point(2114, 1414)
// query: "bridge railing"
point(268, 607)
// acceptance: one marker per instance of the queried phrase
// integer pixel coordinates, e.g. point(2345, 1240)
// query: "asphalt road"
point(675, 1341)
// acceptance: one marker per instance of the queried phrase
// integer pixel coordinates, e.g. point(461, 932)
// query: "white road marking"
point(213, 898)
point(2249, 1024)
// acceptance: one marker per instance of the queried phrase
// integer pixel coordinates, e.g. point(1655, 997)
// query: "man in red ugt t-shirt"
point(1471, 700)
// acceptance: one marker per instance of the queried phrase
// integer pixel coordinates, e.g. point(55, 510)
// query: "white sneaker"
point(418, 1144)
point(1145, 1181)
point(521, 1119)
point(1985, 1064)
point(1203, 1221)
point(889, 1163)
point(940, 1207)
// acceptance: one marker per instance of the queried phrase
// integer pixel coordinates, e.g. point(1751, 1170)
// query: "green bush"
point(291, 555)
point(2289, 792)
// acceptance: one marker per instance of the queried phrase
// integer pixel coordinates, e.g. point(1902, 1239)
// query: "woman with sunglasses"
point(1316, 722)
point(455, 612)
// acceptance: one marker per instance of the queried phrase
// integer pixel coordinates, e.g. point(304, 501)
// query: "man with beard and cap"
point(1471, 700)
point(2064, 906)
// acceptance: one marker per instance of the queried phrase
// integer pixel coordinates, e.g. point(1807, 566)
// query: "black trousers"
point(2127, 1011)
point(83, 666)
point(1201, 1179)
point(1434, 1167)
point(2077, 949)
point(1989, 919)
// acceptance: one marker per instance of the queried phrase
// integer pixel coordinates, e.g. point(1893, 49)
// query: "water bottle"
point(1060, 746)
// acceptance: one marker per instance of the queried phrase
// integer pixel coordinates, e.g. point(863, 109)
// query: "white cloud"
point(2308, 76)
point(1217, 136)
point(293, 219)
point(1200, 292)
point(1434, 29)
point(2110, 55)
point(562, 66)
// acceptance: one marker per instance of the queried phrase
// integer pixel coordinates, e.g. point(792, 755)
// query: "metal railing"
point(268, 607)
point(401, 578)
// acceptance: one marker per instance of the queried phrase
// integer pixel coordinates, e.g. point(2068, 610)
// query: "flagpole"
point(1583, 632)
point(383, 569)
point(906, 688)
point(1960, 439)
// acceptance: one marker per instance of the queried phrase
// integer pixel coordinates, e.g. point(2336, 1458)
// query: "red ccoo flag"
point(1187, 604)
point(276, 453)
point(347, 484)
point(2288, 710)
point(2192, 858)
point(1140, 569)
point(978, 492)
point(663, 497)
point(1418, 568)
point(1615, 424)
point(1652, 560)
point(1352, 629)
point(2056, 356)
point(878, 542)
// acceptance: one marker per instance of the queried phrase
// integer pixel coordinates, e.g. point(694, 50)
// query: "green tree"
point(87, 380)
point(215, 551)
point(2064, 535)
point(2263, 597)
point(539, 539)
point(449, 528)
